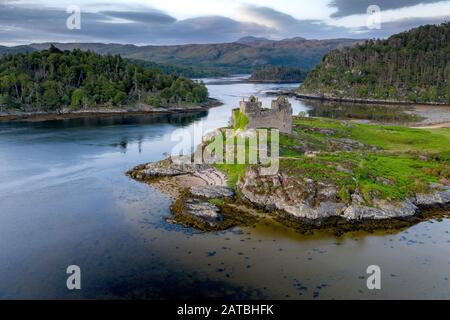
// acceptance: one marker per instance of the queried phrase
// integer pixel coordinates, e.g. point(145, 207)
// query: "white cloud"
point(439, 9)
point(202, 21)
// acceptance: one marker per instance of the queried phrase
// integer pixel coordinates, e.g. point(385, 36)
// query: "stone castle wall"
point(278, 117)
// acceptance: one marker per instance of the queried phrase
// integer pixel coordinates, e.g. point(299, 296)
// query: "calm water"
point(64, 199)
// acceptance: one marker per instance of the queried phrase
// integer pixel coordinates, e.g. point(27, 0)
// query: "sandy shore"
point(173, 186)
point(434, 116)
point(104, 112)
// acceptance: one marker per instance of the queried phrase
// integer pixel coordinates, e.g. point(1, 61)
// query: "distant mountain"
point(239, 57)
point(14, 50)
point(253, 41)
point(410, 66)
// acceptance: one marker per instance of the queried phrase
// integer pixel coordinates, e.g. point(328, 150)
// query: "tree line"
point(278, 74)
point(52, 79)
point(412, 66)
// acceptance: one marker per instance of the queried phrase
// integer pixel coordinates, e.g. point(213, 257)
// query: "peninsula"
point(333, 174)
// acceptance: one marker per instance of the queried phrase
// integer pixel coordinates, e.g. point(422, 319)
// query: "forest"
point(411, 66)
point(279, 74)
point(52, 79)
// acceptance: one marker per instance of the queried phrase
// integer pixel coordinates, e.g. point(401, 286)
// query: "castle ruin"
point(279, 116)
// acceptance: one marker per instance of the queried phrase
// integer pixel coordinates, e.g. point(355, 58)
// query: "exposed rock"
point(384, 181)
point(304, 198)
point(203, 211)
point(358, 212)
point(357, 198)
point(167, 168)
point(347, 144)
point(439, 198)
point(322, 211)
point(344, 170)
point(328, 132)
point(300, 198)
point(211, 192)
point(382, 209)
point(295, 197)
point(171, 168)
point(396, 209)
point(211, 177)
point(326, 192)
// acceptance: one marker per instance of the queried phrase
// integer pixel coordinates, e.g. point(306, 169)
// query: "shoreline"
point(354, 100)
point(443, 125)
point(434, 115)
point(103, 112)
point(274, 81)
point(204, 202)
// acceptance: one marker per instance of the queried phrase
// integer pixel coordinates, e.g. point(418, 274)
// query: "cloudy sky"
point(202, 21)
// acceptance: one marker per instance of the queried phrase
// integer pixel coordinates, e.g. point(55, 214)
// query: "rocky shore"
point(67, 113)
point(204, 201)
point(201, 196)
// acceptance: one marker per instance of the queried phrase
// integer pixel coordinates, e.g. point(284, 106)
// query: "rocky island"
point(333, 174)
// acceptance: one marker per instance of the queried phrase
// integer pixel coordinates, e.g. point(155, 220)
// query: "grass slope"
point(394, 163)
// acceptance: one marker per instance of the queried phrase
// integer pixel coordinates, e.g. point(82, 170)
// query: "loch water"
point(65, 200)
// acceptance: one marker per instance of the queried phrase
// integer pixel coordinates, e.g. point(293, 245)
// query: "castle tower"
point(282, 104)
point(251, 106)
point(279, 116)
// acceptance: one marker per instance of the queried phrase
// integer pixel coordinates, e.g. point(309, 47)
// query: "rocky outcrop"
point(382, 210)
point(212, 192)
point(198, 213)
point(304, 198)
point(192, 185)
point(301, 198)
point(170, 167)
point(440, 197)
point(203, 197)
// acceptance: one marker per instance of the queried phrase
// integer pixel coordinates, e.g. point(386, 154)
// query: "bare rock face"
point(170, 167)
point(211, 192)
point(382, 210)
point(440, 197)
point(348, 144)
point(358, 212)
point(304, 198)
point(397, 209)
point(300, 198)
point(202, 211)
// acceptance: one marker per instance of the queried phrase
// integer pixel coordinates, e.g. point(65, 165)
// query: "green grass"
point(405, 162)
point(240, 119)
point(233, 171)
point(401, 138)
point(392, 138)
point(216, 201)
